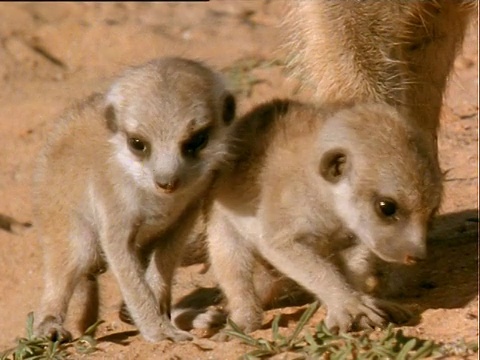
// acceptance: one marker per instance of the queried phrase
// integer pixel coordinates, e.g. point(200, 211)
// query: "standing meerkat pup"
point(117, 185)
point(311, 185)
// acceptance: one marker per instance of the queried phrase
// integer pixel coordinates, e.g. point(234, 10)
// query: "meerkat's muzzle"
point(170, 186)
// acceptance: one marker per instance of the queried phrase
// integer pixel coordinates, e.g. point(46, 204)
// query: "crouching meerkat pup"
point(311, 185)
point(117, 185)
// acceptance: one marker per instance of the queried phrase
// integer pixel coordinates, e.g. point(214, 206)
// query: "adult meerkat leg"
point(395, 52)
point(432, 35)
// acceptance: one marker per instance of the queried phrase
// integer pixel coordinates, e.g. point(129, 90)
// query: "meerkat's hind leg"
point(63, 271)
point(70, 255)
point(277, 290)
point(57, 294)
point(233, 263)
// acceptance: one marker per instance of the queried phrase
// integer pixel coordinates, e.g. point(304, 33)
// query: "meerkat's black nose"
point(169, 186)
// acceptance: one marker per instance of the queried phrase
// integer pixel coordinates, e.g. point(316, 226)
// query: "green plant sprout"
point(323, 344)
point(36, 348)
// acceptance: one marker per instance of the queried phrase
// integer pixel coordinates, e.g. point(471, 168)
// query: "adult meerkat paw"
point(53, 329)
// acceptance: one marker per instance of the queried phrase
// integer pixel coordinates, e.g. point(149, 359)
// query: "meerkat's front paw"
point(52, 328)
point(177, 335)
point(166, 331)
point(397, 313)
point(248, 319)
point(354, 314)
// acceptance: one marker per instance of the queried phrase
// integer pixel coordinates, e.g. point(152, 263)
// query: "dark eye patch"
point(198, 141)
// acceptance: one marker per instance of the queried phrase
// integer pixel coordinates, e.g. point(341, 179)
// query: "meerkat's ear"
point(113, 100)
point(334, 164)
point(110, 117)
point(228, 109)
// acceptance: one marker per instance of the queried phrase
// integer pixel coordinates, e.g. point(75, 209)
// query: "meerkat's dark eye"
point(195, 143)
point(137, 146)
point(387, 208)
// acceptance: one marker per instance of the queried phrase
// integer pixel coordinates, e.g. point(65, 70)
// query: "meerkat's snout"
point(415, 248)
point(408, 252)
point(169, 186)
point(166, 171)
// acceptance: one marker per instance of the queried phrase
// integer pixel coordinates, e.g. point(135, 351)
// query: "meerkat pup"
point(117, 185)
point(310, 185)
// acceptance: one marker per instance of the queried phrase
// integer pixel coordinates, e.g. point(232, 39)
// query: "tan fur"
point(99, 200)
point(305, 194)
point(398, 52)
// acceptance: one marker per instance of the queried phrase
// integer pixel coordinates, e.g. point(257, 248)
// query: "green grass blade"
point(306, 316)
point(409, 346)
point(29, 326)
point(275, 327)
point(92, 328)
point(427, 349)
point(235, 331)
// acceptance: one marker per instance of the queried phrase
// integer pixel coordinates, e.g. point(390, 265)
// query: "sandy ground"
point(52, 55)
